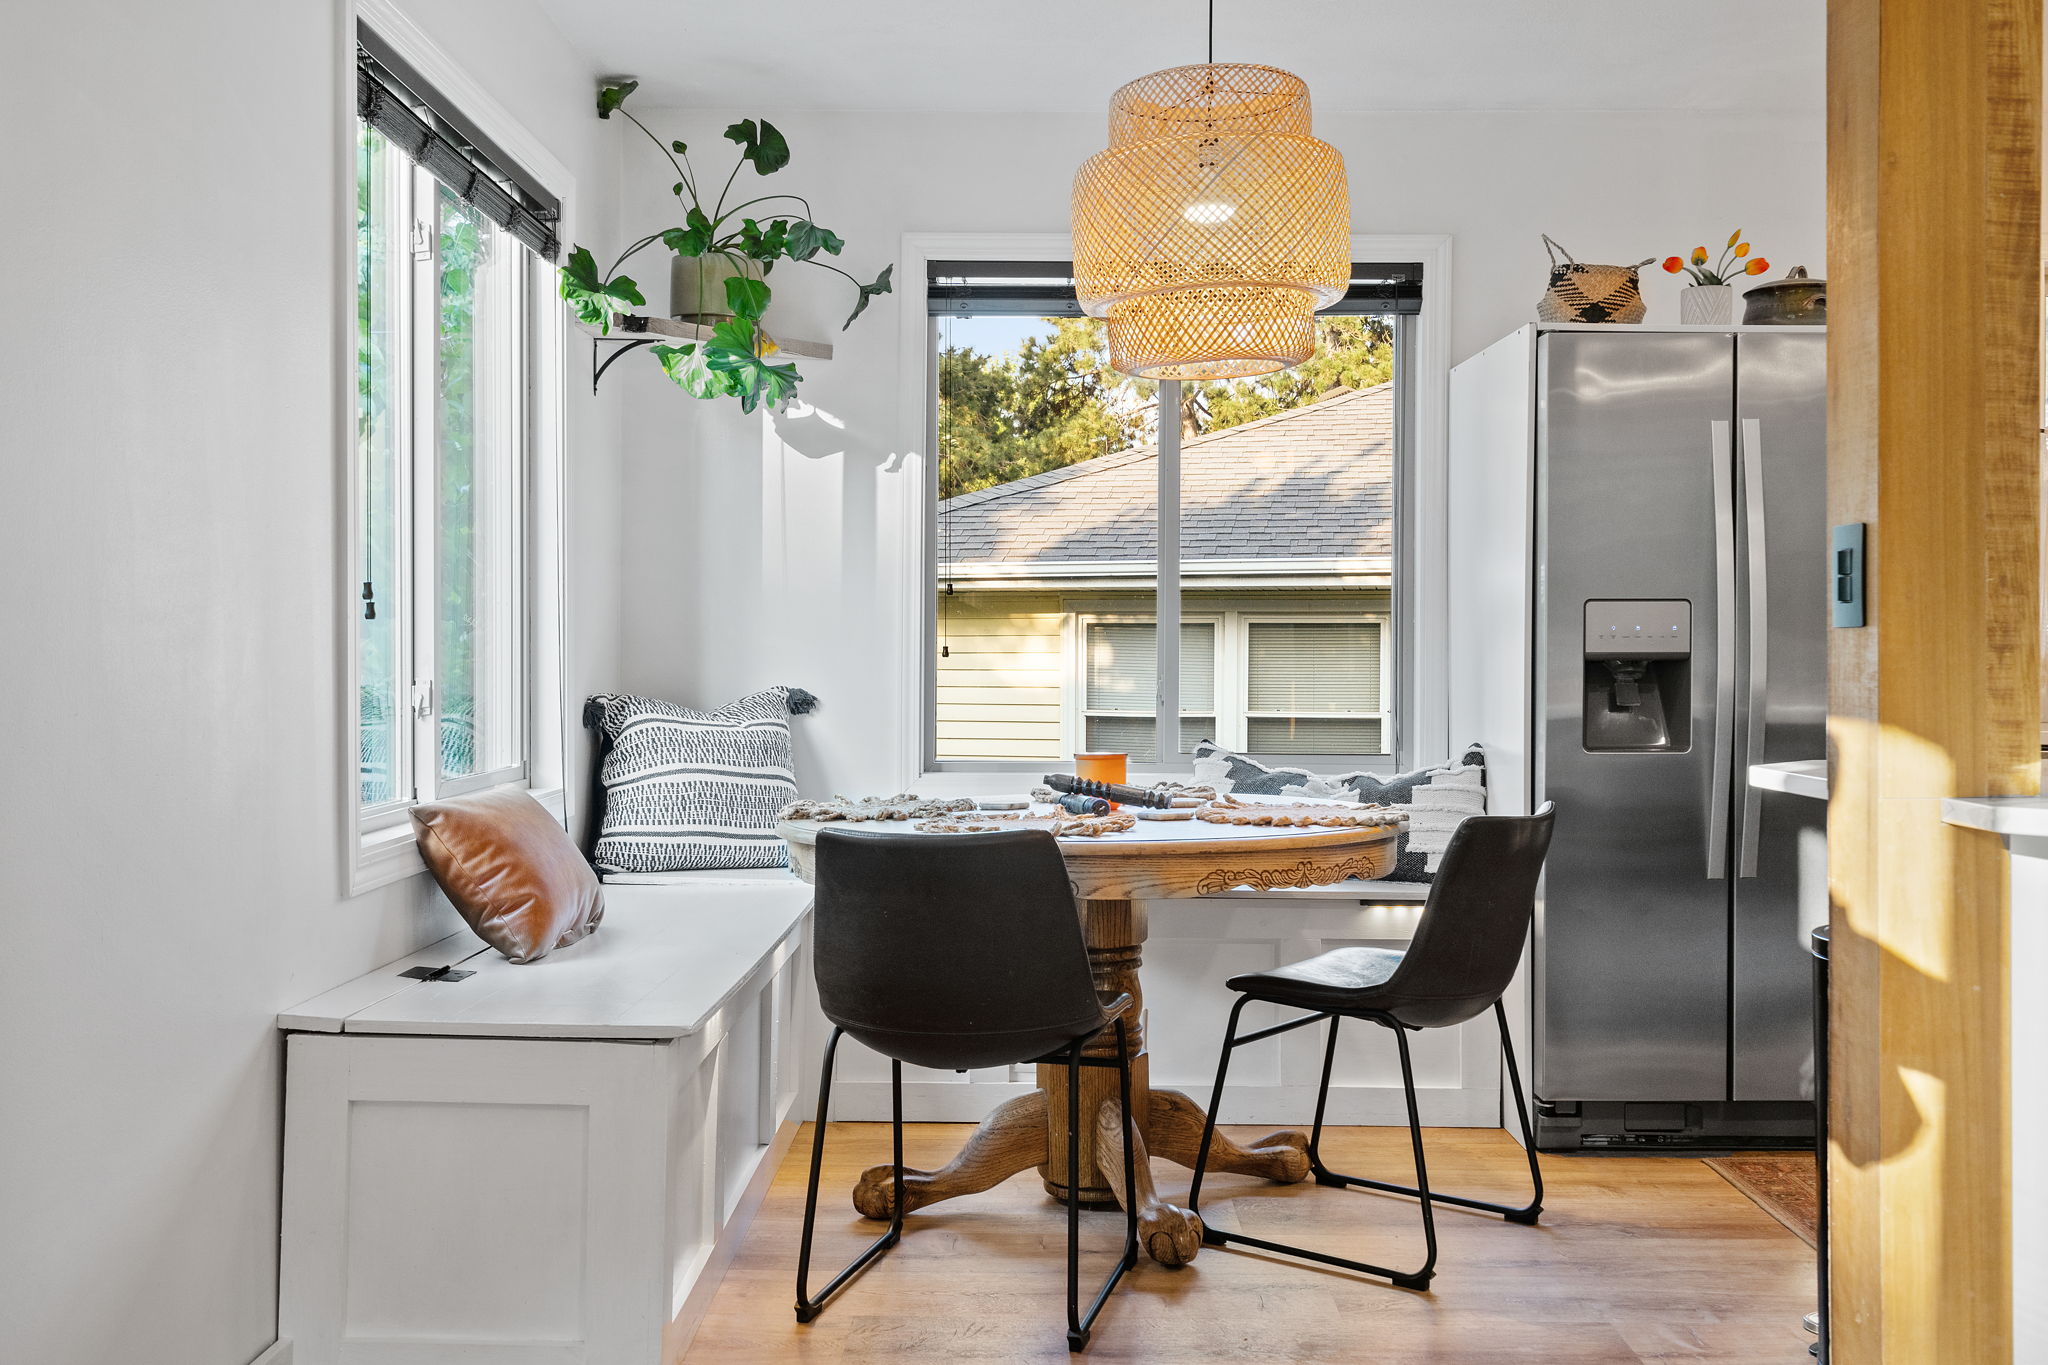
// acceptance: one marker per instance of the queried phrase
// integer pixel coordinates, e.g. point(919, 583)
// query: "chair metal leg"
point(807, 1307)
point(1209, 1121)
point(1079, 1325)
point(1315, 1136)
point(1420, 1279)
point(1531, 1211)
point(1076, 1338)
point(1526, 1214)
point(1417, 1279)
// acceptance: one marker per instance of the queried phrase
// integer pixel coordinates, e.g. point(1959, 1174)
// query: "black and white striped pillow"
point(686, 790)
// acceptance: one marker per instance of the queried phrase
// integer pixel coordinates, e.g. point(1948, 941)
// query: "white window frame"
point(1421, 632)
point(418, 482)
point(378, 843)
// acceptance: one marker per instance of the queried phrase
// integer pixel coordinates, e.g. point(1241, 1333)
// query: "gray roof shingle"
point(1315, 482)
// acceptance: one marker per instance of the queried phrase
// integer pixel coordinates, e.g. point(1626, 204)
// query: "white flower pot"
point(1707, 305)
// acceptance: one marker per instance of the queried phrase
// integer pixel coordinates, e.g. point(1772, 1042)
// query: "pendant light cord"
point(1212, 32)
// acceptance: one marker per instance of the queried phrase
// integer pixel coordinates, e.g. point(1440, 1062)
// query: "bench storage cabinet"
point(538, 1165)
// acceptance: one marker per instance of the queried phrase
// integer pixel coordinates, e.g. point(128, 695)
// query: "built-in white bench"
point(542, 1163)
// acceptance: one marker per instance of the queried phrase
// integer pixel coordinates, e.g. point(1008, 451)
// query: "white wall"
point(2029, 1099)
point(172, 710)
point(760, 553)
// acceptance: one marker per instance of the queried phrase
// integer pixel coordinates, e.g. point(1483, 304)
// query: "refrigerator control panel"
point(1655, 629)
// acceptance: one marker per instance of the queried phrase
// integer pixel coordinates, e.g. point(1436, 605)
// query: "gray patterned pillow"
point(686, 790)
point(1436, 798)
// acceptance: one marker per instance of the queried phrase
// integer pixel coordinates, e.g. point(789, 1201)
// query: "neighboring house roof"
point(1313, 483)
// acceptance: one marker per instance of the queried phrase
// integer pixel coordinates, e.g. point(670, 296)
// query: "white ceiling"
point(1067, 55)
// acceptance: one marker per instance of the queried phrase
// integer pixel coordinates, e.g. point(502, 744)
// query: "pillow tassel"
point(801, 703)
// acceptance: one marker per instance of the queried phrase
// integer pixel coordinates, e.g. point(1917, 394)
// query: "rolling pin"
point(1110, 791)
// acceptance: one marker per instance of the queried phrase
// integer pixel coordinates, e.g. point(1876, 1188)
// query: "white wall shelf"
point(640, 327)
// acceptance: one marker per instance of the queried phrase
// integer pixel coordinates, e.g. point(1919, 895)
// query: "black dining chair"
point(955, 952)
point(1462, 956)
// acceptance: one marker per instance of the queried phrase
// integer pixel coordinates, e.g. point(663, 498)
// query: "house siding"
point(1001, 687)
point(999, 679)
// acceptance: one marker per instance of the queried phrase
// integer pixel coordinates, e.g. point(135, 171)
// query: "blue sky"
point(990, 334)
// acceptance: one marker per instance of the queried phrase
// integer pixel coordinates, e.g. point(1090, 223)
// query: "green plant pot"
point(696, 288)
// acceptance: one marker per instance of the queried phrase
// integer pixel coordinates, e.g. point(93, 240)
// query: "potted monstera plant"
point(718, 250)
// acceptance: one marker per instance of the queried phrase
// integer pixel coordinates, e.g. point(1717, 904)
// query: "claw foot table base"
point(1015, 1138)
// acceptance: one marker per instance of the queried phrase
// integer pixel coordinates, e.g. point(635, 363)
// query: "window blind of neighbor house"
point(1122, 662)
point(394, 101)
point(1121, 668)
point(1300, 671)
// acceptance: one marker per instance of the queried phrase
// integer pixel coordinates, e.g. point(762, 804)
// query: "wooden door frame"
point(1934, 403)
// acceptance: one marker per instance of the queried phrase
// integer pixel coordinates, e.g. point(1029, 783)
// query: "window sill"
point(381, 857)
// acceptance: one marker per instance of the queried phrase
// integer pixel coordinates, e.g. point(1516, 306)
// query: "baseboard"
point(279, 1352)
point(676, 1339)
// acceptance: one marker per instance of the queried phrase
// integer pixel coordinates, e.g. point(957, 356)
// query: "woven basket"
point(1590, 293)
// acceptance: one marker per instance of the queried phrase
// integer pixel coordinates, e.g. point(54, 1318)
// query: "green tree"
point(1054, 403)
point(1057, 402)
point(1352, 352)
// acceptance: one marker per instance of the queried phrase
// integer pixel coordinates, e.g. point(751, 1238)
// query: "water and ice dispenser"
point(1638, 694)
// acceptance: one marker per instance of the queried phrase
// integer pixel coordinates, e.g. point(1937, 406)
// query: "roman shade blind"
point(392, 98)
point(1045, 289)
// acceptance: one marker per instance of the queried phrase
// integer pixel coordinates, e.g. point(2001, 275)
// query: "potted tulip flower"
point(1710, 299)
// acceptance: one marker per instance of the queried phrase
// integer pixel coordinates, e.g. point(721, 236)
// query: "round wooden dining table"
point(1113, 877)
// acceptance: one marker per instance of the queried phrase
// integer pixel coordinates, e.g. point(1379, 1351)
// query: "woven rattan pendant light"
point(1214, 225)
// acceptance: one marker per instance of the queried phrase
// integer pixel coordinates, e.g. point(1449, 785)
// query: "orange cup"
point(1112, 768)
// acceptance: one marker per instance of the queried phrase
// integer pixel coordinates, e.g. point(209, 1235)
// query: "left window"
point(444, 298)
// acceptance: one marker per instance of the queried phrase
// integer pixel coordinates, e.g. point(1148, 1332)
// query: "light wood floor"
point(1637, 1259)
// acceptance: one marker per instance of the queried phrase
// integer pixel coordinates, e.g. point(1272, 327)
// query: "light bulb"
point(1208, 212)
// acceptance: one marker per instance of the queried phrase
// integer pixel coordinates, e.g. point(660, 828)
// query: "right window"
point(1048, 535)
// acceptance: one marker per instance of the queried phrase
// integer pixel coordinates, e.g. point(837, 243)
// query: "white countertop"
point(2007, 815)
point(2026, 816)
point(1807, 777)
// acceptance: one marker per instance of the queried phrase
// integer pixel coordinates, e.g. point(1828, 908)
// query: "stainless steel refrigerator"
point(1680, 634)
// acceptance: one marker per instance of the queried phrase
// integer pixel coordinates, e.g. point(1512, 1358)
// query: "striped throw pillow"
point(687, 790)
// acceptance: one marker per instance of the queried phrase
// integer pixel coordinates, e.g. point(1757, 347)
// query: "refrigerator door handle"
point(1724, 649)
point(1752, 447)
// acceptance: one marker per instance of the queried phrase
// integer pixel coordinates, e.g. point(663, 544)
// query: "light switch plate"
point(1846, 580)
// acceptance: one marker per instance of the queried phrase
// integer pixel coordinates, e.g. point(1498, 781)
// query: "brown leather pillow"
point(511, 870)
